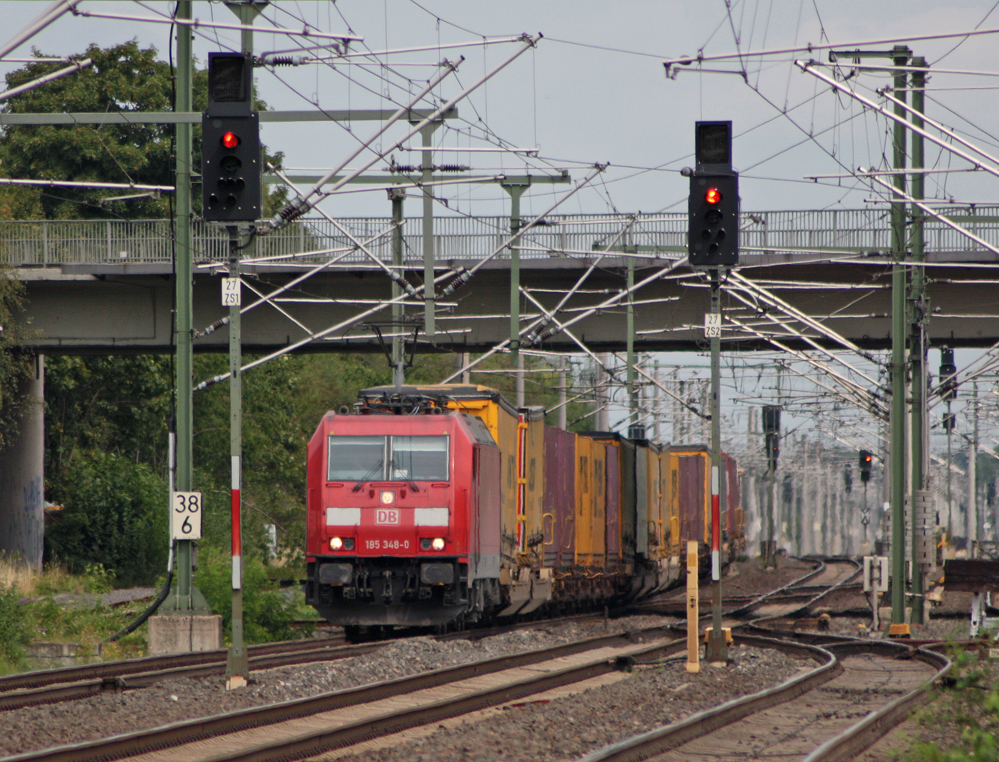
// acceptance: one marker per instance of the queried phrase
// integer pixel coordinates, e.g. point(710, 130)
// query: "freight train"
point(431, 506)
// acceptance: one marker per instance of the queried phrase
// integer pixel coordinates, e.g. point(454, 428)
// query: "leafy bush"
point(115, 516)
point(268, 612)
point(971, 707)
point(13, 630)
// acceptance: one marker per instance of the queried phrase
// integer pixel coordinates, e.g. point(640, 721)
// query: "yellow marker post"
point(693, 646)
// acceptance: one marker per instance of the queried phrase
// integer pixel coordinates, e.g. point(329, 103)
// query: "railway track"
point(857, 691)
point(70, 683)
point(301, 728)
point(827, 576)
point(831, 575)
point(839, 709)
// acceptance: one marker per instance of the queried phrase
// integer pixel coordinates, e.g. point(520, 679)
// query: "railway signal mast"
point(713, 244)
point(231, 194)
point(771, 430)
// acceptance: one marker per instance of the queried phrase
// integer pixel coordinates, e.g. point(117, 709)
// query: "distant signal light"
point(713, 196)
point(230, 140)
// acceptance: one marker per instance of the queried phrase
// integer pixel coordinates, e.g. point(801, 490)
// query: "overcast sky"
point(594, 89)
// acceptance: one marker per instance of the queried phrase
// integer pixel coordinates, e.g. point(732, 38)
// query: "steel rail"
point(64, 685)
point(824, 592)
point(680, 593)
point(310, 744)
point(45, 677)
point(189, 731)
point(847, 745)
point(663, 739)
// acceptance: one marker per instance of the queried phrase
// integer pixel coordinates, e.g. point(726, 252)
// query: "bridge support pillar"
point(22, 478)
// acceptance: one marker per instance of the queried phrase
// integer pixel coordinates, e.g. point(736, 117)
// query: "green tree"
point(115, 515)
point(15, 365)
point(115, 405)
point(124, 78)
point(268, 613)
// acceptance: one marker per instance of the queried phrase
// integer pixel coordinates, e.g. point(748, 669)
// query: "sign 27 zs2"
point(185, 516)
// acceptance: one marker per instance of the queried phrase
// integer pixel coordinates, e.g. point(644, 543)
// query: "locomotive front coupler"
point(387, 592)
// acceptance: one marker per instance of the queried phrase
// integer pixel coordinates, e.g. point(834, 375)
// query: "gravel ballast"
point(570, 727)
point(651, 696)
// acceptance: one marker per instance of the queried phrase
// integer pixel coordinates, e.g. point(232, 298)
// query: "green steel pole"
point(429, 297)
point(397, 195)
point(630, 346)
point(515, 191)
point(950, 502)
point(972, 521)
point(182, 600)
point(917, 347)
point(898, 336)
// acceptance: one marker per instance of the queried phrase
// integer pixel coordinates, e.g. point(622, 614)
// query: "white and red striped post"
point(237, 665)
point(717, 650)
point(715, 525)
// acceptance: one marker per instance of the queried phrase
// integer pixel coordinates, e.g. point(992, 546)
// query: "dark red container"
point(613, 507)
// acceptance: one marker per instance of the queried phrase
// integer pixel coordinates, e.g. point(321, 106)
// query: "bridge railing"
point(82, 242)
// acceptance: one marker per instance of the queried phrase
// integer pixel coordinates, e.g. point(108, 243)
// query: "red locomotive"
point(437, 505)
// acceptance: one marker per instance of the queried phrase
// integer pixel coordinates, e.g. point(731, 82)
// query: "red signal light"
point(713, 196)
point(230, 140)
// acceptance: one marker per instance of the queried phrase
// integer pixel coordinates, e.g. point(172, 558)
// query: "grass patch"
point(962, 724)
point(56, 606)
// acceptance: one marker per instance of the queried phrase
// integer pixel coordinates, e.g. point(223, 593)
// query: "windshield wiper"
point(409, 481)
point(374, 469)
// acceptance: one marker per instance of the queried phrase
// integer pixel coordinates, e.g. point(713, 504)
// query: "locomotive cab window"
point(422, 459)
point(353, 459)
point(398, 458)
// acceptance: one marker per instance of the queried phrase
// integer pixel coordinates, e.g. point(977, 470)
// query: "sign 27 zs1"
point(185, 516)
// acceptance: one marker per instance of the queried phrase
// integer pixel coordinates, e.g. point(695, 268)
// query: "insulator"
point(403, 283)
point(450, 168)
point(535, 335)
point(404, 168)
point(457, 283)
point(548, 333)
point(285, 61)
point(291, 213)
point(221, 322)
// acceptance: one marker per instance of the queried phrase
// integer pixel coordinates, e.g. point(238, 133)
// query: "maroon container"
point(560, 498)
point(613, 506)
point(733, 495)
point(692, 497)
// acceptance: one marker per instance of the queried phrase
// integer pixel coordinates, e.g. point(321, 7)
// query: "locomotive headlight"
point(438, 543)
point(336, 543)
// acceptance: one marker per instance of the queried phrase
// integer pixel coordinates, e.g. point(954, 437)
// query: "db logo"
point(387, 516)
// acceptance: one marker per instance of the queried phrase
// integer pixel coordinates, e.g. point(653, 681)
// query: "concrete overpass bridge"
point(805, 277)
point(107, 286)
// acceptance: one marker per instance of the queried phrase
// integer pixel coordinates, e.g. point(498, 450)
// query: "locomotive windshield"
point(398, 458)
point(356, 458)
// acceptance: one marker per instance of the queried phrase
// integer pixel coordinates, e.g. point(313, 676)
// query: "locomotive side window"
point(419, 458)
point(356, 458)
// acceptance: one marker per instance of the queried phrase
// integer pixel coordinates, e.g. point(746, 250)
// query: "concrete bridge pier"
point(22, 478)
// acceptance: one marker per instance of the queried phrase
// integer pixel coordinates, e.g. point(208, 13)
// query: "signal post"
point(713, 245)
point(231, 188)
